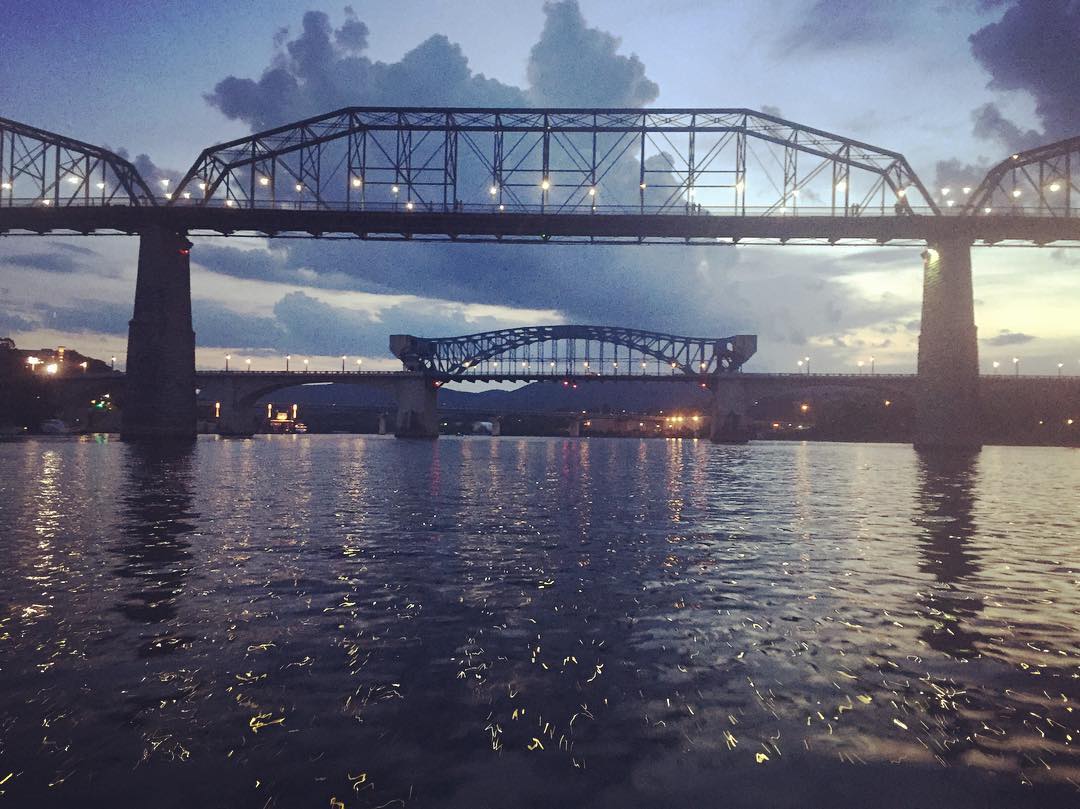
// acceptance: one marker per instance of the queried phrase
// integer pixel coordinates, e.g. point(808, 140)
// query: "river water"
point(316, 621)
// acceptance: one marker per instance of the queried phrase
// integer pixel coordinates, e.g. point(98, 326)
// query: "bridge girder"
point(568, 350)
point(41, 168)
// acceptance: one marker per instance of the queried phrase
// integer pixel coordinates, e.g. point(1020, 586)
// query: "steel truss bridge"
point(553, 175)
point(570, 353)
point(696, 176)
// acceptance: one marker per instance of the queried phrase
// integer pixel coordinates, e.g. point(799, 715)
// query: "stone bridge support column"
point(382, 424)
point(947, 409)
point(159, 400)
point(239, 417)
point(574, 428)
point(727, 425)
point(496, 428)
point(417, 409)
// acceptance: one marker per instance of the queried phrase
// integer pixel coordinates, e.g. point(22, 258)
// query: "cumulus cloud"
point(578, 66)
point(323, 68)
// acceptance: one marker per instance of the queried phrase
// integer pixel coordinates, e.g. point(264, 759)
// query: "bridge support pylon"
point(947, 411)
point(417, 409)
point(159, 400)
point(727, 425)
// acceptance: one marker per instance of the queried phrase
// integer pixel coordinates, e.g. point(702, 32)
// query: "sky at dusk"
point(955, 85)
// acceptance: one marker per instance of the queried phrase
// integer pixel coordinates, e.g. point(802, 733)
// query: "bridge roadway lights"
point(947, 409)
point(727, 425)
point(159, 402)
point(417, 409)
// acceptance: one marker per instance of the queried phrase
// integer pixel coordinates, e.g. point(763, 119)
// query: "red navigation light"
point(185, 251)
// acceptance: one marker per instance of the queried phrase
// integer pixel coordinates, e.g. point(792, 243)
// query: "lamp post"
point(860, 364)
point(343, 358)
point(807, 365)
point(112, 365)
point(248, 363)
point(287, 358)
point(305, 365)
point(1060, 366)
point(1016, 366)
point(871, 366)
point(227, 358)
point(996, 366)
point(359, 362)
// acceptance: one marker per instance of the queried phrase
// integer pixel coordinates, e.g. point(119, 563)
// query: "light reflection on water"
point(536, 622)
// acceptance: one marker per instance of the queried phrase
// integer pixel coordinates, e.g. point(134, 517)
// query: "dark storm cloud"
point(836, 24)
point(577, 66)
point(90, 316)
point(11, 322)
point(63, 262)
point(302, 324)
point(219, 325)
point(956, 173)
point(1034, 47)
point(281, 265)
point(1009, 338)
point(991, 124)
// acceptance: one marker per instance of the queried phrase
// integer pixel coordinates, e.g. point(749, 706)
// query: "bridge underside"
point(534, 227)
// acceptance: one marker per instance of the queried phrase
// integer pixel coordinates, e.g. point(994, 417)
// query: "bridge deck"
point(537, 227)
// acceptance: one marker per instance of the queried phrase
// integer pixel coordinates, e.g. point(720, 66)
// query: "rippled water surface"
point(314, 621)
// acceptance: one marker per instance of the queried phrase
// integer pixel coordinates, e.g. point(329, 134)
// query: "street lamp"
point(871, 366)
point(227, 358)
point(996, 366)
point(860, 364)
point(287, 358)
point(1016, 365)
point(248, 362)
point(343, 358)
point(305, 364)
point(359, 362)
point(113, 365)
point(807, 365)
point(33, 362)
point(1060, 366)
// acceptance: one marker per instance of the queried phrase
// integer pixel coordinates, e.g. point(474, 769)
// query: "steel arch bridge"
point(572, 352)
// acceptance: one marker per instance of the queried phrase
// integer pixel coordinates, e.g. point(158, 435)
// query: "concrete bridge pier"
point(947, 410)
point(159, 400)
point(417, 409)
point(727, 425)
point(496, 428)
point(382, 424)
